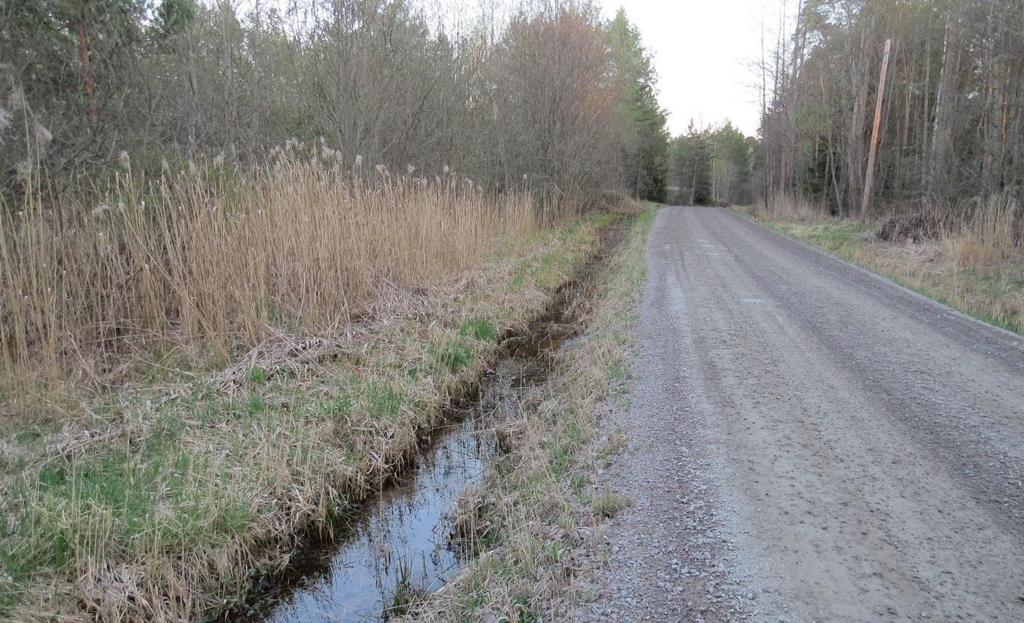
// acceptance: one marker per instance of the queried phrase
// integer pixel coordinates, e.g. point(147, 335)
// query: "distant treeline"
point(549, 97)
point(712, 166)
point(937, 85)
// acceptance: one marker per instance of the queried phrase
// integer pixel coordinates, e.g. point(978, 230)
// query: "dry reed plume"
point(785, 205)
point(166, 503)
point(213, 262)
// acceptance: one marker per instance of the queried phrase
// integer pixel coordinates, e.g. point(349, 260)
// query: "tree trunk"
point(792, 107)
point(942, 134)
point(869, 178)
point(992, 140)
point(855, 147)
point(926, 102)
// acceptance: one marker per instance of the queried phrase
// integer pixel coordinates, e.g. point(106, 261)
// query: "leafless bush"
point(915, 227)
point(517, 103)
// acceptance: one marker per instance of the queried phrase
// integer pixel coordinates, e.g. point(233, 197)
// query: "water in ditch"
point(400, 543)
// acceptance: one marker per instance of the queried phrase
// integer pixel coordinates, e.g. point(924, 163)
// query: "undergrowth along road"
point(541, 507)
point(170, 502)
point(992, 292)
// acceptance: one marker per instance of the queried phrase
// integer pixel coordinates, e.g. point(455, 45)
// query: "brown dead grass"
point(986, 236)
point(785, 206)
point(909, 258)
point(211, 263)
point(330, 313)
point(169, 505)
point(538, 500)
point(970, 257)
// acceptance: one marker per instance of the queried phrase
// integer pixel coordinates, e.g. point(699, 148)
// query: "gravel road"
point(810, 442)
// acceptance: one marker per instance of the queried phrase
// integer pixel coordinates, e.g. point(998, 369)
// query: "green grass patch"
point(335, 406)
point(257, 376)
point(384, 401)
point(454, 356)
point(995, 296)
point(116, 505)
point(189, 473)
point(607, 503)
point(479, 328)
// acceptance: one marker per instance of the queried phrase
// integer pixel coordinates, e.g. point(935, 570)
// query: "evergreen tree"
point(644, 137)
point(691, 166)
point(730, 165)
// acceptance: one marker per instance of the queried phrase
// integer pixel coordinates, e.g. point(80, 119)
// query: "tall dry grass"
point(786, 206)
point(977, 234)
point(984, 234)
point(210, 262)
point(970, 254)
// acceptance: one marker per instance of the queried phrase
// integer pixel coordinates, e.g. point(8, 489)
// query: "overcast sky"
point(704, 51)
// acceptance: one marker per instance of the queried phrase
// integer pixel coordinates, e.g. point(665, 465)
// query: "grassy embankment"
point(539, 503)
point(971, 264)
point(233, 364)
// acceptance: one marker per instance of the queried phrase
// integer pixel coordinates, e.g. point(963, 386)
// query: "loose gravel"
point(808, 442)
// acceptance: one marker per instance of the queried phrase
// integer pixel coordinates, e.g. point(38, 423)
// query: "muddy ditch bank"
point(405, 541)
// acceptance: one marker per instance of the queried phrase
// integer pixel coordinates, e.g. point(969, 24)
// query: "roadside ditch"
point(411, 537)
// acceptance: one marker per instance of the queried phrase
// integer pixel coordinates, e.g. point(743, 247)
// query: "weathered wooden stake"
point(869, 179)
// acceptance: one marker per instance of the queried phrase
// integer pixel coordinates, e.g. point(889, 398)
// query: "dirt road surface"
point(810, 442)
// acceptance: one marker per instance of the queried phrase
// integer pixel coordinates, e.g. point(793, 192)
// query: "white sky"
point(705, 53)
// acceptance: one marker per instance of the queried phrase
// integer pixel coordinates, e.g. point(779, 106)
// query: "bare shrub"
point(915, 227)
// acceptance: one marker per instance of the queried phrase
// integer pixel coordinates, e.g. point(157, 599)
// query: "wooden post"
point(869, 179)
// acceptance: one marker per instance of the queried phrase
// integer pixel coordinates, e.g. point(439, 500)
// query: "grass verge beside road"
point(167, 502)
point(941, 268)
point(539, 504)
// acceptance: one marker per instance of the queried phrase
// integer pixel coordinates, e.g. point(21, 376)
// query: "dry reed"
point(213, 262)
point(786, 206)
point(970, 255)
point(976, 234)
point(984, 234)
point(165, 503)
